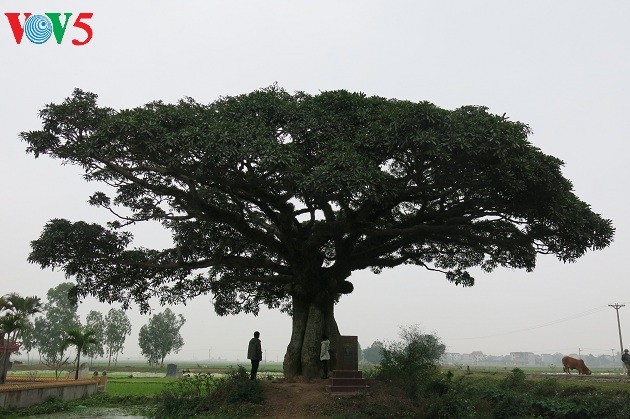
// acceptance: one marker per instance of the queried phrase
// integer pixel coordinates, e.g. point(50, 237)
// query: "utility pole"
point(617, 307)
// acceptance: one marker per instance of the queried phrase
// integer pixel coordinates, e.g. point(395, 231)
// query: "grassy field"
point(137, 386)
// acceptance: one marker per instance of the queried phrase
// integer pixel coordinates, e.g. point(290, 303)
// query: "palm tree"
point(21, 308)
point(9, 323)
point(82, 340)
point(5, 304)
point(14, 313)
point(25, 305)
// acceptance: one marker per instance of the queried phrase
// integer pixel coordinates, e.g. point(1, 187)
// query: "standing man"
point(254, 353)
point(625, 358)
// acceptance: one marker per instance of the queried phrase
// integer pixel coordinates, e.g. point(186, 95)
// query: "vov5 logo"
point(39, 28)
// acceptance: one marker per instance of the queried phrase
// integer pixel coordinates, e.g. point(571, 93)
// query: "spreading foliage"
point(271, 196)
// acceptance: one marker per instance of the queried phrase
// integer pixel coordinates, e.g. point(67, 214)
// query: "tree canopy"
point(275, 198)
point(161, 336)
point(373, 353)
point(94, 321)
point(117, 327)
point(60, 314)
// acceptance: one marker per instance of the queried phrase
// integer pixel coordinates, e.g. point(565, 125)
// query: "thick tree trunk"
point(292, 364)
point(310, 322)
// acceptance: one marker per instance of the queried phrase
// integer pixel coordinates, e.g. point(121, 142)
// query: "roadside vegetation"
point(412, 365)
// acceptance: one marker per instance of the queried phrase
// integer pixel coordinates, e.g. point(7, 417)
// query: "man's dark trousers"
point(254, 368)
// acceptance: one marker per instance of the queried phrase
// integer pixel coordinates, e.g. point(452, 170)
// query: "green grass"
point(137, 386)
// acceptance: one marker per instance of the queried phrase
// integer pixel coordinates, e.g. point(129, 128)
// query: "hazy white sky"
point(562, 67)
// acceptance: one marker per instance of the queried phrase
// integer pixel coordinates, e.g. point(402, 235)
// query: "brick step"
point(347, 374)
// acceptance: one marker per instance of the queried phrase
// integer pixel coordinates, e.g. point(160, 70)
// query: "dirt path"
point(296, 399)
point(309, 399)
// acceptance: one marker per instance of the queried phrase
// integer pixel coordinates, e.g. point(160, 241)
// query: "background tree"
point(161, 336)
point(80, 339)
point(28, 339)
point(60, 314)
point(117, 328)
point(275, 199)
point(95, 322)
point(373, 353)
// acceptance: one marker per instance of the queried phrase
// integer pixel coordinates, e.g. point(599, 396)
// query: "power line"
point(550, 323)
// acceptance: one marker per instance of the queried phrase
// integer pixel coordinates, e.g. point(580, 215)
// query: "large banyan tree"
point(275, 199)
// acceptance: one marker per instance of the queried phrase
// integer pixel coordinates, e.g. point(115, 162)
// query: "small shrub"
point(193, 395)
point(578, 390)
point(238, 388)
point(186, 396)
point(372, 372)
point(192, 385)
point(513, 404)
point(412, 362)
point(547, 387)
point(451, 399)
point(514, 381)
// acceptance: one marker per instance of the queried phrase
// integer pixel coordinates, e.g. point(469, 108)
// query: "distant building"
point(450, 358)
point(523, 358)
point(473, 358)
point(549, 359)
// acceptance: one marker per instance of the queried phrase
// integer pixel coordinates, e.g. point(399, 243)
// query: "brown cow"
point(569, 363)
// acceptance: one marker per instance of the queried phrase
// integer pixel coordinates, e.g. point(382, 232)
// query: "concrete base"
point(22, 393)
point(347, 383)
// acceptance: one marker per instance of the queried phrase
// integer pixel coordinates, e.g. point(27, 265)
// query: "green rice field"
point(137, 386)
